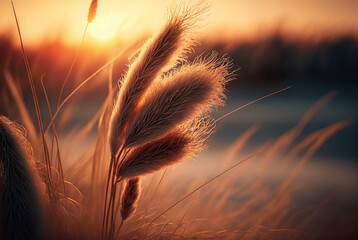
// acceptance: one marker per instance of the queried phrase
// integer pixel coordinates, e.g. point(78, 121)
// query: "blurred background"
point(309, 45)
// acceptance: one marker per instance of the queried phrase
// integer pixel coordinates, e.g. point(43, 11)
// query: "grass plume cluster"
point(152, 106)
point(159, 54)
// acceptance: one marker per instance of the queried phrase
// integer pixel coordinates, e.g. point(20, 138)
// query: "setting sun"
point(104, 27)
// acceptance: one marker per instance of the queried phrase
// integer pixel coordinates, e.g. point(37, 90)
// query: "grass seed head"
point(188, 92)
point(130, 197)
point(183, 142)
point(92, 11)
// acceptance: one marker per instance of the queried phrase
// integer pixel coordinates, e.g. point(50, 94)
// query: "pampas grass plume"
point(20, 216)
point(92, 11)
point(186, 93)
point(182, 142)
point(159, 54)
point(130, 198)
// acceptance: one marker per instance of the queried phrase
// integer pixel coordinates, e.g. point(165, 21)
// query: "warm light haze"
point(104, 27)
point(65, 19)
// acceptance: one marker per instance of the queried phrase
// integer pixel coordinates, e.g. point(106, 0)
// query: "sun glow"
point(104, 27)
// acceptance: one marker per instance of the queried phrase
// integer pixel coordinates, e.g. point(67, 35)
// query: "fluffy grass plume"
point(159, 54)
point(92, 11)
point(130, 198)
point(191, 90)
point(20, 214)
point(182, 142)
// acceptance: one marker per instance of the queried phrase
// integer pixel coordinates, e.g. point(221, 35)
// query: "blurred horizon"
point(272, 56)
point(273, 44)
point(312, 68)
point(125, 21)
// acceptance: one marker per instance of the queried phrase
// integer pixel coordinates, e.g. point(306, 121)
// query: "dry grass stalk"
point(159, 54)
point(37, 108)
point(90, 17)
point(92, 11)
point(183, 142)
point(23, 111)
point(188, 92)
point(21, 217)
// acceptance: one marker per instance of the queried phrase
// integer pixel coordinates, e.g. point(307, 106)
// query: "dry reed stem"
point(24, 113)
point(58, 153)
point(37, 107)
point(111, 189)
point(160, 53)
point(72, 66)
point(21, 216)
point(81, 85)
point(90, 17)
point(256, 100)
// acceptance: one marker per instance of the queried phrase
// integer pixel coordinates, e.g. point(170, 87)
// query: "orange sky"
point(236, 18)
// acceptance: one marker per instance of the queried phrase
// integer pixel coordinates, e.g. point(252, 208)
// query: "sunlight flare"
point(104, 27)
